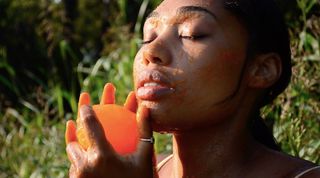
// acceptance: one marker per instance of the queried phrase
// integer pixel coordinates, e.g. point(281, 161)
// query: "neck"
point(217, 151)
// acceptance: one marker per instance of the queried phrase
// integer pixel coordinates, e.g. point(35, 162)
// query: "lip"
point(153, 85)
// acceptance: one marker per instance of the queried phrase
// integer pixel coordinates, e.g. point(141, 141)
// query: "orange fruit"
point(120, 128)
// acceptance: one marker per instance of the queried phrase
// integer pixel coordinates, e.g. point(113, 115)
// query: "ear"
point(265, 70)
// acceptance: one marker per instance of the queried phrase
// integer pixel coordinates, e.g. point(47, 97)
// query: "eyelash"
point(146, 42)
point(192, 38)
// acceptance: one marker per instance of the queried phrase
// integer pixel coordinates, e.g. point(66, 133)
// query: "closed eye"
point(146, 42)
point(192, 37)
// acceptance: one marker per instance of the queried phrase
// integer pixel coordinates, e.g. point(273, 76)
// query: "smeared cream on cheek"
point(134, 73)
point(182, 91)
point(177, 71)
point(191, 59)
point(154, 23)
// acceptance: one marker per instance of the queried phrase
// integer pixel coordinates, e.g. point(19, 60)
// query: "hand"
point(100, 160)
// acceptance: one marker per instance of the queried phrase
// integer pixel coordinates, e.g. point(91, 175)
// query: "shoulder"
point(271, 163)
point(311, 172)
point(284, 165)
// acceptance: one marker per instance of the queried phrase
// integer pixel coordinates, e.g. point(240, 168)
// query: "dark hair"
point(267, 33)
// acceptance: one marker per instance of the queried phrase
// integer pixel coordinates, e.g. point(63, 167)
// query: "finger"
point(72, 172)
point(145, 149)
point(108, 94)
point(84, 99)
point(75, 154)
point(131, 102)
point(144, 123)
point(94, 131)
point(70, 134)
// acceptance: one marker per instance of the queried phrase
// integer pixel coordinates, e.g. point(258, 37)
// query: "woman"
point(203, 72)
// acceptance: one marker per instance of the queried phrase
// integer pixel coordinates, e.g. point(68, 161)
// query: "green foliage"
point(48, 57)
point(296, 112)
point(32, 134)
point(27, 144)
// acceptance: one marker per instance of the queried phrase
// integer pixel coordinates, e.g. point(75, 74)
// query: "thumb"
point(145, 148)
point(94, 130)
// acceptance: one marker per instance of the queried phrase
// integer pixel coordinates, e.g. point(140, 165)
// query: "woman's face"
point(189, 67)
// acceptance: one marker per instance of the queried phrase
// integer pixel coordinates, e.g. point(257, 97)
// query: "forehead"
point(170, 6)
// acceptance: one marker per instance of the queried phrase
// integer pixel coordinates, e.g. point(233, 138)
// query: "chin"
point(158, 109)
point(162, 117)
point(171, 128)
point(161, 128)
point(167, 123)
point(167, 117)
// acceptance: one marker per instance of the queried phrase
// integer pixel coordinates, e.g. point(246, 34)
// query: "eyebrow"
point(186, 9)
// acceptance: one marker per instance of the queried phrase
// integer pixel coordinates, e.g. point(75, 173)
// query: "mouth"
point(153, 85)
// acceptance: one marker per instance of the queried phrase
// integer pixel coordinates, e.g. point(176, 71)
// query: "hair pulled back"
point(267, 34)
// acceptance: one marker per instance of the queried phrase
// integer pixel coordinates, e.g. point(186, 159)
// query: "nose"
point(156, 52)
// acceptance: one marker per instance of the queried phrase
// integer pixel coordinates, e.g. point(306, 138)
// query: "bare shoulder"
point(284, 165)
point(312, 172)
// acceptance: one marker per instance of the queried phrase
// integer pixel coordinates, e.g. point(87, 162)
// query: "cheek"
point(136, 66)
point(234, 58)
point(216, 75)
point(222, 65)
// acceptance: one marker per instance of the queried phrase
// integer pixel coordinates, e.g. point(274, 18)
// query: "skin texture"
point(209, 68)
point(206, 93)
point(100, 160)
point(211, 138)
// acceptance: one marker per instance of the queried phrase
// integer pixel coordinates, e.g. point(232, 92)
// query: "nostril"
point(149, 58)
point(157, 60)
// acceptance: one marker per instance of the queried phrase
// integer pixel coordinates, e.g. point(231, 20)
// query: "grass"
point(27, 145)
point(32, 134)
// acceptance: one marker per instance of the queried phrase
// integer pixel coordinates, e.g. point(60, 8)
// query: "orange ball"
point(120, 128)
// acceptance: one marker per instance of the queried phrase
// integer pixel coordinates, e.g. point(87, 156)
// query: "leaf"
point(310, 5)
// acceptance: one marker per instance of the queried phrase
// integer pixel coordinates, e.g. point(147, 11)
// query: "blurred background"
point(51, 50)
